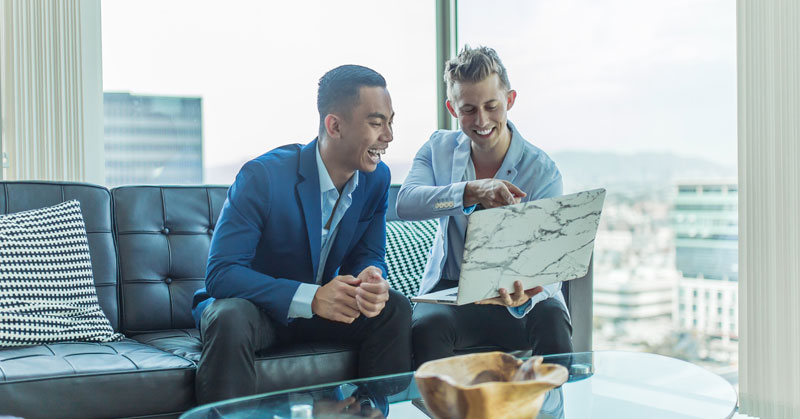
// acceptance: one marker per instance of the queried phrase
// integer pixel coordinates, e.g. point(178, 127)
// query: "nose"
point(481, 118)
point(388, 134)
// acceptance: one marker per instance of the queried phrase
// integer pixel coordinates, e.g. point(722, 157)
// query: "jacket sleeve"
point(371, 247)
point(241, 223)
point(420, 198)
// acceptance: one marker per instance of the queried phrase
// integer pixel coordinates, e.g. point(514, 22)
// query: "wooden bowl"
point(486, 385)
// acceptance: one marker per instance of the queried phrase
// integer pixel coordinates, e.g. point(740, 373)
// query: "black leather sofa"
point(149, 246)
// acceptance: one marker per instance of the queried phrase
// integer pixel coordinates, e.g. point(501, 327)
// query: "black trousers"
point(234, 329)
point(438, 329)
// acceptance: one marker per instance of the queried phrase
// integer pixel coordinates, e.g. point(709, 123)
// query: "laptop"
point(538, 243)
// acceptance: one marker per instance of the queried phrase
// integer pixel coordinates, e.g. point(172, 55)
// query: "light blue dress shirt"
point(301, 302)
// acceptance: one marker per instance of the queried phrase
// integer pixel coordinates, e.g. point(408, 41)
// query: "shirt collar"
point(325, 182)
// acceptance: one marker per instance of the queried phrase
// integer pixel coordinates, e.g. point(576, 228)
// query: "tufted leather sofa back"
point(163, 234)
point(96, 209)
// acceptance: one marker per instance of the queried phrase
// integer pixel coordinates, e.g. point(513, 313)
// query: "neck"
point(488, 160)
point(336, 170)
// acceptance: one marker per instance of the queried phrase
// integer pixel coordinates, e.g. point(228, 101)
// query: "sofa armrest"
point(578, 295)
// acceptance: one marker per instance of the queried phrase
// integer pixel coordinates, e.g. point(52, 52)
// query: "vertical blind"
point(51, 89)
point(768, 46)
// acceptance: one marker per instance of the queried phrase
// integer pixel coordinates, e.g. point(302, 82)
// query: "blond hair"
point(473, 65)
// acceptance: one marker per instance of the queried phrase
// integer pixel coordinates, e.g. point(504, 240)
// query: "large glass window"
point(638, 97)
point(193, 89)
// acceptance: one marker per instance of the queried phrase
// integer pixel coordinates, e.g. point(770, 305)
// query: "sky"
point(617, 75)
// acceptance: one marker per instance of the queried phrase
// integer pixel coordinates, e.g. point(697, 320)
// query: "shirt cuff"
point(468, 210)
point(521, 311)
point(301, 302)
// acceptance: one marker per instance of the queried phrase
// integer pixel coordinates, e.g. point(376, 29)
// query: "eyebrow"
point(468, 105)
point(379, 115)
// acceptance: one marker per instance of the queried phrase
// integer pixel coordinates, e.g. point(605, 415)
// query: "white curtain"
point(768, 38)
point(52, 90)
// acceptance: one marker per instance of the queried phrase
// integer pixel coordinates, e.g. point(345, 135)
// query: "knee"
point(398, 307)
point(230, 317)
point(432, 326)
point(551, 314)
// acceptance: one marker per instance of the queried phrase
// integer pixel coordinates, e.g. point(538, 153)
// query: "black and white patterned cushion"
point(408, 247)
point(47, 291)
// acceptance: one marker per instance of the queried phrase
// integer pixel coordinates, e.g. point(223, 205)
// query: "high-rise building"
point(153, 139)
point(705, 218)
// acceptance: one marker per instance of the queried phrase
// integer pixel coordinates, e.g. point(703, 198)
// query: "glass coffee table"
point(604, 384)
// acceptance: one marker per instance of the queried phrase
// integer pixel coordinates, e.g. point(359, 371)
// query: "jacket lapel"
point(508, 170)
point(308, 192)
point(460, 158)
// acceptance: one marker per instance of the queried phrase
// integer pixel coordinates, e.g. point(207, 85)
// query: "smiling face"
point(482, 111)
point(363, 136)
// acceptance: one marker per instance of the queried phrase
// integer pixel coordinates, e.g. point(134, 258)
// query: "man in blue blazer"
point(298, 252)
point(487, 164)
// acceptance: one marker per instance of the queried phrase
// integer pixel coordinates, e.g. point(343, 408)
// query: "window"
point(213, 85)
point(638, 97)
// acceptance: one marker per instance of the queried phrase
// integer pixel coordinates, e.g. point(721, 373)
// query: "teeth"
point(377, 150)
point(484, 132)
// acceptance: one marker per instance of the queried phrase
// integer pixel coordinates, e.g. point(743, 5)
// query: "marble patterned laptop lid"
point(538, 242)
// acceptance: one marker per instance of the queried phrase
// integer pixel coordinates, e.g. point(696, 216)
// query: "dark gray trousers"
point(234, 329)
point(438, 329)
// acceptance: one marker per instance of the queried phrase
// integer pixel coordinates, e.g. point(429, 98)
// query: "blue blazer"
point(267, 238)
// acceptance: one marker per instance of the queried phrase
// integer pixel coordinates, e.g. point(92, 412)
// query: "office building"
point(152, 139)
point(706, 245)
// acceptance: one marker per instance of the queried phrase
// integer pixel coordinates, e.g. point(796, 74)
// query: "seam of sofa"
point(192, 367)
point(313, 352)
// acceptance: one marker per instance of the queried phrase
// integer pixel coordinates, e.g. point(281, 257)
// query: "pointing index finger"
point(514, 189)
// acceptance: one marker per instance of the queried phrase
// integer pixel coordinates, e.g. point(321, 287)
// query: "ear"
point(511, 96)
point(451, 109)
point(332, 126)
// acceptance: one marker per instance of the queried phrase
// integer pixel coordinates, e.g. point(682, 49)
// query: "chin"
point(368, 167)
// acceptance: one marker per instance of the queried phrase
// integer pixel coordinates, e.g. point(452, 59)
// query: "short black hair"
point(338, 89)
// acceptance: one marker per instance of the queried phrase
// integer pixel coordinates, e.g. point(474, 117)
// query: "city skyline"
point(670, 86)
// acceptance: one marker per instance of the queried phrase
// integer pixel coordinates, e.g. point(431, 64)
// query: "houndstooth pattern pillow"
point(408, 247)
point(47, 291)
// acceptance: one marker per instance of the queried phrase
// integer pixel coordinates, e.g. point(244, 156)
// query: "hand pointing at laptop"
point(492, 193)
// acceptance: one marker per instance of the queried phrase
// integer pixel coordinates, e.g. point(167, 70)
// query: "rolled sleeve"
point(547, 292)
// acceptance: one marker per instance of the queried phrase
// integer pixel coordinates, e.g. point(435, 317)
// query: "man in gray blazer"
point(485, 165)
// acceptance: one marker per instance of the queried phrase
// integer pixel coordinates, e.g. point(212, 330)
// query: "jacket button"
point(168, 280)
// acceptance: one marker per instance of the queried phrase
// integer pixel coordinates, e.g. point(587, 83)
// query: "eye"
point(375, 124)
point(492, 108)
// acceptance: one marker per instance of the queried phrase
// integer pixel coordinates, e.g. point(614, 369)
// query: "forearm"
point(268, 293)
point(422, 202)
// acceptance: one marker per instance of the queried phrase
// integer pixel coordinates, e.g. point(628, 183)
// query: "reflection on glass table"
point(606, 384)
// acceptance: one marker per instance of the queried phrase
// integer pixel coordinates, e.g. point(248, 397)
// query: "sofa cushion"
point(47, 292)
point(408, 247)
point(82, 379)
point(278, 368)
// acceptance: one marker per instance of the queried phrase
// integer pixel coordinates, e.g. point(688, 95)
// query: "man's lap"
point(475, 325)
point(300, 330)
